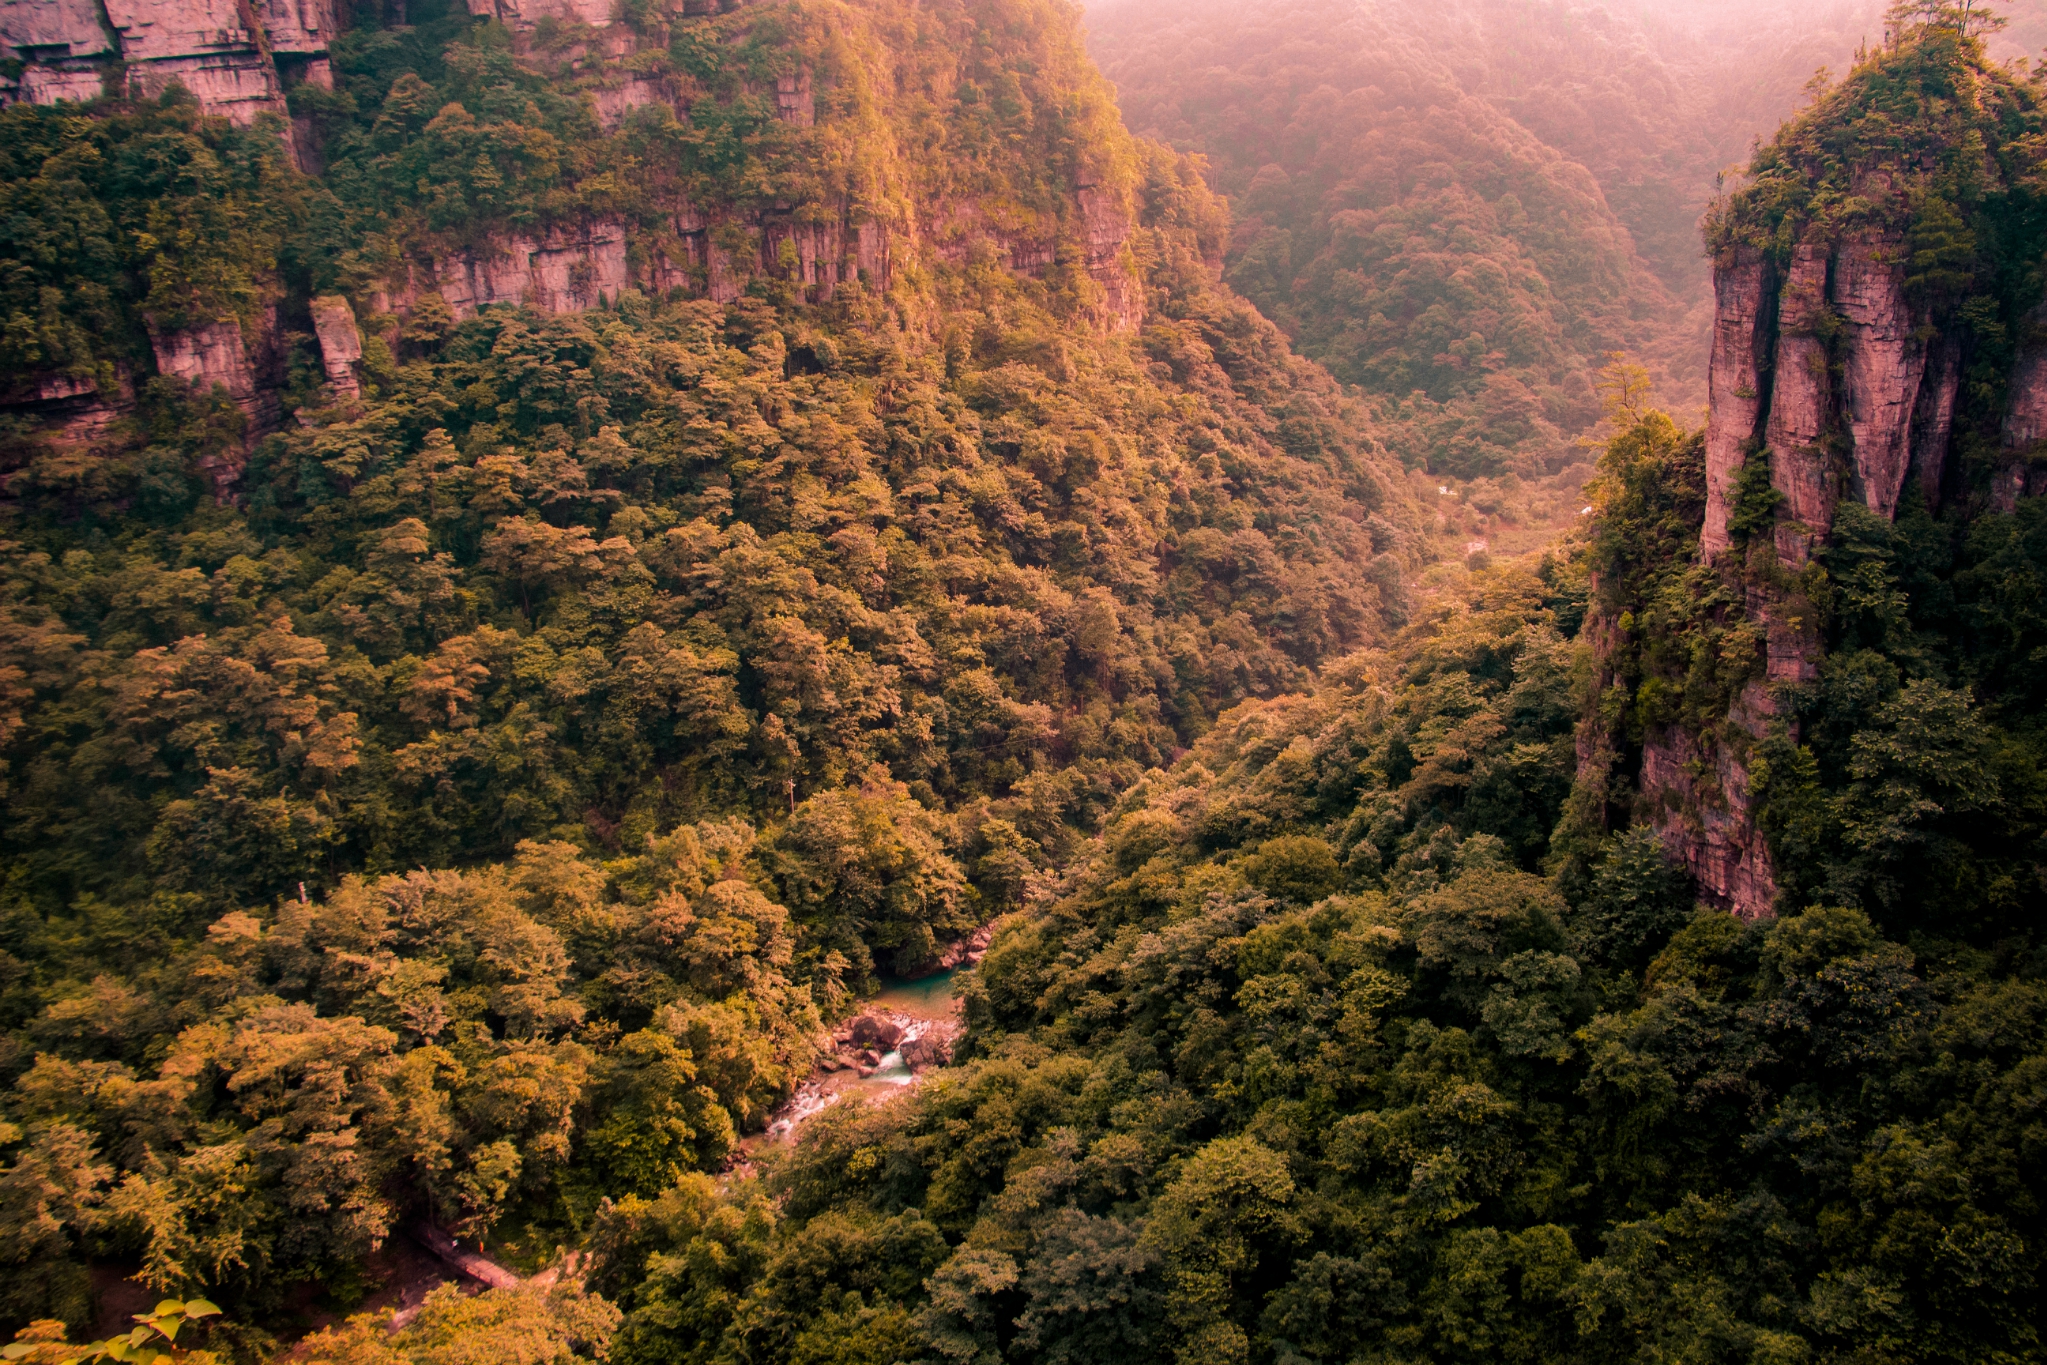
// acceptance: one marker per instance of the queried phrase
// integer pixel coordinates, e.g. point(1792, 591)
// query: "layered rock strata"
point(237, 57)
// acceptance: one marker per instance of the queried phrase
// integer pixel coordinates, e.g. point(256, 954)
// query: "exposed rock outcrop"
point(932, 1049)
point(615, 100)
point(794, 100)
point(65, 47)
point(1836, 309)
point(298, 28)
point(1703, 809)
point(1883, 367)
point(237, 57)
point(1745, 313)
point(1933, 420)
point(206, 353)
point(1823, 364)
point(1801, 401)
point(1888, 421)
point(70, 412)
point(2025, 423)
point(969, 951)
point(565, 272)
point(48, 30)
point(215, 354)
point(340, 342)
point(522, 16)
point(877, 1031)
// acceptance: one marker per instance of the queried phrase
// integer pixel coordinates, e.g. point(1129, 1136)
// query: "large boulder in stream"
point(933, 1049)
point(876, 1031)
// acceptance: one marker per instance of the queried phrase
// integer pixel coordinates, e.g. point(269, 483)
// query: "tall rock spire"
point(1868, 331)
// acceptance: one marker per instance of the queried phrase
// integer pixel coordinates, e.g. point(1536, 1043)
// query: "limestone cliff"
point(1822, 368)
point(855, 193)
point(692, 246)
point(1852, 298)
point(237, 56)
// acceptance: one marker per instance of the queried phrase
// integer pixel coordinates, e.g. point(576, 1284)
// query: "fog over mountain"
point(1610, 126)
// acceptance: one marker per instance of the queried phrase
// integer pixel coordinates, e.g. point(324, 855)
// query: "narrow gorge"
point(689, 682)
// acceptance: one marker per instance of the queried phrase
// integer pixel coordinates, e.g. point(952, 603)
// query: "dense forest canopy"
point(840, 622)
point(461, 804)
point(1408, 232)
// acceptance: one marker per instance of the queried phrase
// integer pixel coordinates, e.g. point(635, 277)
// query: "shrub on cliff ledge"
point(1924, 135)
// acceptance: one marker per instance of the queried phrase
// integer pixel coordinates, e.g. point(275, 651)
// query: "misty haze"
point(1015, 682)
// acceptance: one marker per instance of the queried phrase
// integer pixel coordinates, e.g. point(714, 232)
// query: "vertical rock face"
point(340, 342)
point(1848, 370)
point(54, 29)
point(564, 272)
point(1933, 419)
point(1706, 817)
point(1107, 227)
point(236, 56)
point(211, 354)
point(794, 100)
point(1884, 366)
point(1745, 308)
point(64, 47)
point(53, 85)
point(1853, 394)
point(615, 102)
point(1800, 402)
point(298, 28)
point(524, 15)
point(575, 272)
point(2025, 423)
point(204, 45)
point(152, 31)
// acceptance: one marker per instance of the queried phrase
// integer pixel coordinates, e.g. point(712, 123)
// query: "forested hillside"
point(1407, 231)
point(1369, 1032)
point(1465, 213)
point(455, 766)
point(555, 549)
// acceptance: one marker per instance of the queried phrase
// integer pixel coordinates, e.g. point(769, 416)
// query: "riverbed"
point(928, 997)
point(917, 1007)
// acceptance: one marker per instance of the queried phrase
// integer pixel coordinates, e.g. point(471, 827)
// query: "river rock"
point(967, 952)
point(875, 1030)
point(921, 1054)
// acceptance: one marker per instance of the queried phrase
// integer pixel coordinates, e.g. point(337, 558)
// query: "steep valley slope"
point(1464, 213)
point(551, 548)
point(547, 548)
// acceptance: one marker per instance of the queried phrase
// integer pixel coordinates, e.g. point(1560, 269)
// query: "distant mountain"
point(1478, 205)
